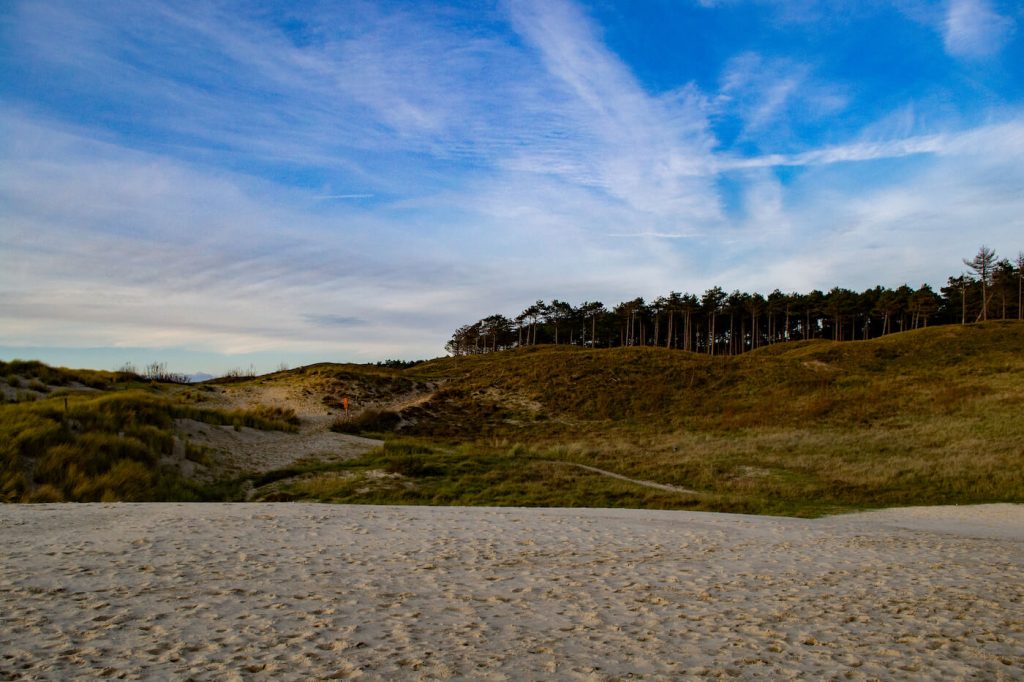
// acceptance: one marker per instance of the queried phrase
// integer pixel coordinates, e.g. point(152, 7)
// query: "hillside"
point(900, 378)
point(924, 417)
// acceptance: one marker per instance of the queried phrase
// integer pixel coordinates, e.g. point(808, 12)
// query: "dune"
point(302, 591)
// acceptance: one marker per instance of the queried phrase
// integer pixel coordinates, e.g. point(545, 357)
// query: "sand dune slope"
point(165, 591)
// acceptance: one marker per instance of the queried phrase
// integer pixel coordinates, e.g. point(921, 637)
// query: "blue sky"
point(214, 184)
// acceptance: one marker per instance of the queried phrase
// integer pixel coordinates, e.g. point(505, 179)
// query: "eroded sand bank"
point(294, 591)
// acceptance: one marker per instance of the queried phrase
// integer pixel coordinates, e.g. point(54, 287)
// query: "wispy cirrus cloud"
point(118, 247)
point(769, 96)
point(368, 86)
point(997, 140)
point(650, 152)
point(973, 29)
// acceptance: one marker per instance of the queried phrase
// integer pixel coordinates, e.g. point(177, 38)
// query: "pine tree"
point(983, 264)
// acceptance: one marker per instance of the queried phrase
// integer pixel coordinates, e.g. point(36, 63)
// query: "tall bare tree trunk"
point(711, 335)
point(1020, 287)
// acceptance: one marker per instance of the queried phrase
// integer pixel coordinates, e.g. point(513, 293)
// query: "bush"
point(369, 420)
point(127, 480)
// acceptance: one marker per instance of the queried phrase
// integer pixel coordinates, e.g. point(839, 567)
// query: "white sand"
point(166, 591)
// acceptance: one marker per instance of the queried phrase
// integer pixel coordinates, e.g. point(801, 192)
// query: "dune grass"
point(104, 446)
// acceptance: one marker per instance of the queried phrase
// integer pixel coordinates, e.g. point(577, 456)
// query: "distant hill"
point(924, 417)
point(562, 391)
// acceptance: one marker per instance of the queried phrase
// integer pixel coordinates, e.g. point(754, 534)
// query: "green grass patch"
point(416, 472)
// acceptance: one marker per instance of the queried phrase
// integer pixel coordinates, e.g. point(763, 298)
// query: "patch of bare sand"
point(252, 450)
point(234, 450)
point(317, 401)
point(298, 591)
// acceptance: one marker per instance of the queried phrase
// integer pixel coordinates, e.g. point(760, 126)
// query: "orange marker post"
point(344, 404)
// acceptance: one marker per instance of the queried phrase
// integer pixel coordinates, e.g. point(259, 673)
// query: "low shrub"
point(368, 421)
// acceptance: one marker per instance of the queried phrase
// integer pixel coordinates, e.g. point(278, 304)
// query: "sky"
point(220, 185)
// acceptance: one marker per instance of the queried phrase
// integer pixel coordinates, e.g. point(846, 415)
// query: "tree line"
point(721, 323)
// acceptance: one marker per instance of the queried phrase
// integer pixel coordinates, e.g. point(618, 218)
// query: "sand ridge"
point(302, 591)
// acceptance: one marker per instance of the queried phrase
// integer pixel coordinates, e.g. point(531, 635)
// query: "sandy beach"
point(298, 591)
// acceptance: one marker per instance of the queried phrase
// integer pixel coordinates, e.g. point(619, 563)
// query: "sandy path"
point(299, 591)
point(637, 481)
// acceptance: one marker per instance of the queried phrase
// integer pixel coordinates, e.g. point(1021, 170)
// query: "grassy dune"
point(926, 417)
point(73, 442)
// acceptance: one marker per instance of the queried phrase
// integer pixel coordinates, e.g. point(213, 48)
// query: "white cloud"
point(973, 29)
point(847, 228)
point(996, 140)
point(373, 86)
point(107, 246)
point(652, 153)
point(100, 242)
point(769, 96)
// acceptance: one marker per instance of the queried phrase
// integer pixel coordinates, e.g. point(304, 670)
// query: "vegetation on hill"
point(79, 443)
point(37, 376)
point(930, 416)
